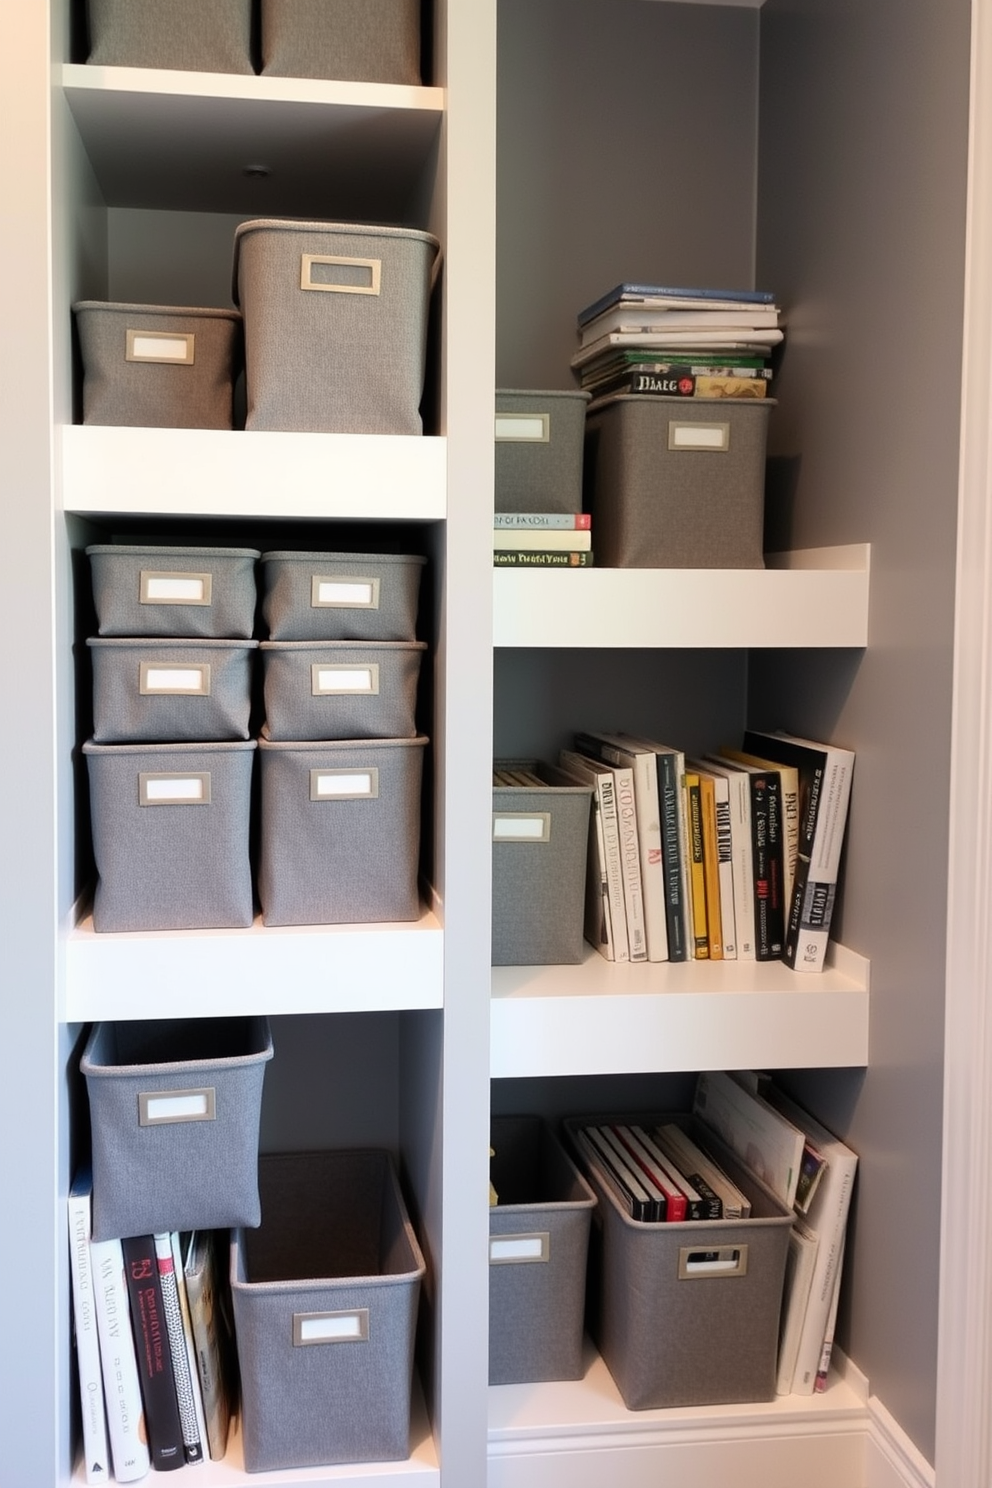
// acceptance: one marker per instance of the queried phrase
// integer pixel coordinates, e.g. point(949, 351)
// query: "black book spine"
point(671, 854)
point(766, 844)
point(154, 1355)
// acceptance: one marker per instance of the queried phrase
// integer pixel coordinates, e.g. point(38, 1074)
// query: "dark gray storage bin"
point(540, 847)
point(186, 35)
point(539, 442)
point(341, 689)
point(365, 41)
point(152, 691)
point(340, 596)
point(175, 592)
point(687, 1313)
point(158, 366)
point(174, 1111)
point(325, 1307)
point(170, 835)
point(677, 482)
point(335, 318)
point(340, 839)
point(538, 1242)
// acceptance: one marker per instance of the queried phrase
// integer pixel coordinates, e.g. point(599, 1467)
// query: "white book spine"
point(630, 858)
point(96, 1458)
point(828, 839)
point(828, 1217)
point(122, 1388)
point(803, 1245)
point(725, 867)
point(601, 777)
point(742, 859)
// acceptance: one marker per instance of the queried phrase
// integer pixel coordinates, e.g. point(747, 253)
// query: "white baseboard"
point(891, 1459)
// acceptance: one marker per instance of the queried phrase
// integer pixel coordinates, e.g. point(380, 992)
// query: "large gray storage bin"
point(687, 1313)
point(539, 442)
point(538, 1242)
point(366, 41)
point(187, 35)
point(335, 318)
point(341, 689)
point(174, 1111)
point(340, 839)
point(178, 690)
point(540, 847)
point(170, 835)
point(158, 366)
point(340, 596)
point(325, 1307)
point(173, 591)
point(677, 482)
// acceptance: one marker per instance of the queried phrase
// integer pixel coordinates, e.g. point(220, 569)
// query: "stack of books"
point(542, 540)
point(677, 342)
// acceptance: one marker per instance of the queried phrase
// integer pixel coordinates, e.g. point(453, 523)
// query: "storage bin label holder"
point(344, 785)
point(174, 788)
point(521, 826)
point(171, 348)
point(523, 428)
point(338, 680)
point(517, 1250)
point(343, 592)
point(167, 1107)
point(683, 435)
point(330, 1327)
point(162, 587)
point(373, 266)
point(170, 679)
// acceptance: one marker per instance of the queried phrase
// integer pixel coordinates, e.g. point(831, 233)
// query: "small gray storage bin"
point(340, 840)
point(325, 1300)
point(179, 691)
point(687, 1313)
point(173, 591)
point(539, 438)
point(158, 366)
point(677, 482)
point(335, 318)
point(187, 35)
point(540, 846)
point(341, 689)
point(365, 41)
point(340, 596)
point(538, 1241)
point(170, 835)
point(174, 1111)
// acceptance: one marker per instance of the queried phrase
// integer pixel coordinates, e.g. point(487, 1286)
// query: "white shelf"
point(221, 473)
point(184, 140)
point(812, 598)
point(598, 1018)
point(199, 973)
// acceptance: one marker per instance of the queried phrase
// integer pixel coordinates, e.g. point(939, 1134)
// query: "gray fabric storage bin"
point(158, 366)
point(335, 318)
point(365, 41)
point(538, 1242)
point(677, 482)
point(170, 835)
point(187, 35)
point(340, 839)
point(341, 689)
point(687, 1313)
point(152, 691)
point(325, 1300)
point(175, 592)
point(340, 596)
point(540, 847)
point(174, 1111)
point(539, 441)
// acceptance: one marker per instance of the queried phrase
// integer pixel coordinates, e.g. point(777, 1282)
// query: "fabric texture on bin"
point(174, 1112)
point(185, 35)
point(539, 450)
point(175, 691)
point(335, 318)
point(340, 596)
point(540, 848)
point(537, 1265)
point(340, 830)
point(158, 366)
point(335, 1259)
point(365, 41)
point(170, 826)
point(687, 1313)
point(341, 689)
point(175, 592)
point(677, 482)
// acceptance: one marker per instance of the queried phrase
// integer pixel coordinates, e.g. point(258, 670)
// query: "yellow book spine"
point(697, 869)
point(711, 868)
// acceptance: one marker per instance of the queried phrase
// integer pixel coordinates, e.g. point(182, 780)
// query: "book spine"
point(598, 919)
point(122, 1390)
point(192, 1443)
point(823, 1370)
point(711, 869)
point(630, 859)
point(94, 1421)
point(725, 868)
point(700, 937)
point(537, 558)
point(205, 1315)
point(831, 1229)
point(551, 521)
point(668, 802)
point(602, 780)
point(154, 1354)
point(685, 385)
point(537, 539)
point(766, 848)
point(194, 1374)
point(815, 888)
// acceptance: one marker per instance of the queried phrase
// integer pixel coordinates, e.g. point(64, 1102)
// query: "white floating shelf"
point(597, 1018)
point(812, 598)
point(222, 473)
point(201, 973)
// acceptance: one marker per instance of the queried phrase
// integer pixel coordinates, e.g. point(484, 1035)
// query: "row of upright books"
point(729, 856)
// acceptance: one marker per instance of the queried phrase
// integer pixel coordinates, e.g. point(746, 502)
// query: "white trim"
point(891, 1459)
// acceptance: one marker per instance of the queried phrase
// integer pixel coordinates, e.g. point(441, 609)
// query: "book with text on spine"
point(562, 539)
point(126, 1425)
point(543, 558)
point(96, 1448)
point(616, 946)
point(555, 521)
point(154, 1353)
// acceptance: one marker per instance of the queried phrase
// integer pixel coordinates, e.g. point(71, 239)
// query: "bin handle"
point(311, 1328)
point(696, 1264)
point(517, 1250)
point(373, 265)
